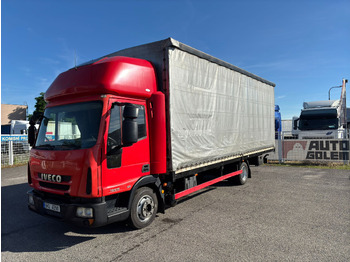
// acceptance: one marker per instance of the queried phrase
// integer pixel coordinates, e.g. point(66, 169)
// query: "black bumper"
point(67, 211)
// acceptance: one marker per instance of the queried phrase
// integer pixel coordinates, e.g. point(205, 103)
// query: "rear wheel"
point(242, 178)
point(143, 208)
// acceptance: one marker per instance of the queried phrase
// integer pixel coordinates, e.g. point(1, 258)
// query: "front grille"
point(54, 186)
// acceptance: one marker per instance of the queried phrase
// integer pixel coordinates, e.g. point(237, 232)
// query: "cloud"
point(282, 65)
point(67, 54)
point(49, 61)
point(43, 82)
point(27, 71)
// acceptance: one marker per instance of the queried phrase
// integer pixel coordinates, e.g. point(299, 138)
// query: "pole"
point(329, 91)
point(11, 153)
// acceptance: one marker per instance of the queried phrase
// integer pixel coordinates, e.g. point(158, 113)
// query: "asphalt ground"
point(281, 214)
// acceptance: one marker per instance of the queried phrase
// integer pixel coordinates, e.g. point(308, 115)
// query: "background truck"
point(323, 119)
point(153, 123)
point(18, 127)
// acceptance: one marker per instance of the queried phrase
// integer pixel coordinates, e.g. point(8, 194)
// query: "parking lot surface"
point(281, 214)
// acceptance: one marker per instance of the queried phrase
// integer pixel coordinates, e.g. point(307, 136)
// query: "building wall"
point(12, 112)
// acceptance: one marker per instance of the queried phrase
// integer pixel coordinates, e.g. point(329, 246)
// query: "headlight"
point(85, 212)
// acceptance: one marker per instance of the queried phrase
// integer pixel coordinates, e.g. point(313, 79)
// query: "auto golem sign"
point(316, 150)
point(328, 150)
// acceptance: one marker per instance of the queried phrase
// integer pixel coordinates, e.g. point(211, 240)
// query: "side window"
point(141, 121)
point(114, 140)
point(114, 151)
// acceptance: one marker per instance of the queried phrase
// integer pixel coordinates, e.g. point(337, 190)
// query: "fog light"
point(31, 200)
point(85, 212)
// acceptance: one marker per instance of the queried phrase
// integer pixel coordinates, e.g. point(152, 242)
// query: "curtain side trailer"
point(148, 125)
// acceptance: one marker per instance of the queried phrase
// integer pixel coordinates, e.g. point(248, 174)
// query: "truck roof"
point(321, 104)
point(159, 46)
point(99, 77)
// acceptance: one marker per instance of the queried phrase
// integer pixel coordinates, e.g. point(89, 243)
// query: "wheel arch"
point(153, 182)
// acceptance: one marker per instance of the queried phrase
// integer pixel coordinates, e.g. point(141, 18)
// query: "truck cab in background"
point(323, 119)
point(16, 127)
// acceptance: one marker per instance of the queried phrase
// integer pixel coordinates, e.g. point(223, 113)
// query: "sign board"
point(334, 150)
point(314, 150)
point(6, 138)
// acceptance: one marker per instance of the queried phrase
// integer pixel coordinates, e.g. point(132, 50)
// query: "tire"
point(144, 208)
point(243, 177)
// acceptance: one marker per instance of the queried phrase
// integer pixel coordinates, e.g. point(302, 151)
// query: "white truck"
point(19, 127)
point(322, 119)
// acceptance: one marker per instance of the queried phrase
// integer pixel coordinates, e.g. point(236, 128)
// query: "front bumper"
point(67, 211)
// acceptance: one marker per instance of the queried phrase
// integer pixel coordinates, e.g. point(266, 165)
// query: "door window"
point(114, 140)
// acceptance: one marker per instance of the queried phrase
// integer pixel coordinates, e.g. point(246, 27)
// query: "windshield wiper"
point(45, 146)
point(67, 145)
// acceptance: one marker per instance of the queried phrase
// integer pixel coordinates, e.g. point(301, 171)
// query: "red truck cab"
point(92, 153)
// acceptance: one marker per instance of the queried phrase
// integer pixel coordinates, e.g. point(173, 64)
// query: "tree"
point(39, 105)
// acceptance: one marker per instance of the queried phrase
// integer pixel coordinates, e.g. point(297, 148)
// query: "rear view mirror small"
point(130, 111)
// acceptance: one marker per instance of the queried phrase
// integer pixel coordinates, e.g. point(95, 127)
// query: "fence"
point(14, 150)
point(311, 150)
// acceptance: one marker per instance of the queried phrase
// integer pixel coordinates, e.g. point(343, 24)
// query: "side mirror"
point(130, 132)
point(295, 123)
point(130, 111)
point(32, 131)
point(130, 126)
point(31, 134)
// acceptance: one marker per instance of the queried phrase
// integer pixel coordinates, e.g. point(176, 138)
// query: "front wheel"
point(143, 208)
point(243, 177)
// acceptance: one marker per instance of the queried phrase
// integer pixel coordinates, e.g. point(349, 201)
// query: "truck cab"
point(94, 141)
point(319, 120)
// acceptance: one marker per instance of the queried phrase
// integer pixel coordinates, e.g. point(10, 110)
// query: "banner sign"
point(6, 138)
point(316, 150)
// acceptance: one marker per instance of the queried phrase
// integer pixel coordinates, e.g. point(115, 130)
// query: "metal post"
point(11, 153)
point(329, 91)
point(280, 155)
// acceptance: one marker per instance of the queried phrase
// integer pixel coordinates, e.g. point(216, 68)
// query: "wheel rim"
point(244, 175)
point(145, 208)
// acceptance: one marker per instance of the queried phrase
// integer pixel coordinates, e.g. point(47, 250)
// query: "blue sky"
point(302, 46)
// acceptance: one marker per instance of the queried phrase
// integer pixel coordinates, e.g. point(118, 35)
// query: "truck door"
point(124, 164)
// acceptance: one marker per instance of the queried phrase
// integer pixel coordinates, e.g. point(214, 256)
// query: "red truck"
point(126, 135)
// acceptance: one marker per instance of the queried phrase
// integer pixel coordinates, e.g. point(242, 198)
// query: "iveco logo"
point(329, 133)
point(51, 178)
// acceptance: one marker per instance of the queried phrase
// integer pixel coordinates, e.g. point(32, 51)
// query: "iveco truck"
point(128, 134)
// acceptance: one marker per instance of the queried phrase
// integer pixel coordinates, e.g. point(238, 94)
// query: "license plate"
point(52, 207)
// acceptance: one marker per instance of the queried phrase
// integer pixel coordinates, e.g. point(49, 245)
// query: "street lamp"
point(329, 91)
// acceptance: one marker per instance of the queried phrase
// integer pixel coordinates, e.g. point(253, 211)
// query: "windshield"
point(318, 120)
point(73, 126)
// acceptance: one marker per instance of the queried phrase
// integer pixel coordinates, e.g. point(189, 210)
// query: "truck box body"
point(216, 111)
point(126, 135)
